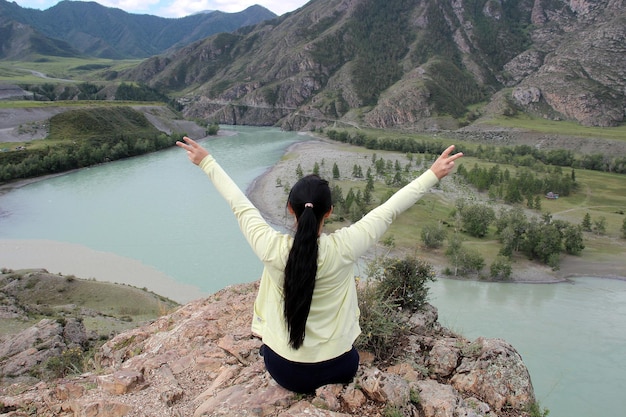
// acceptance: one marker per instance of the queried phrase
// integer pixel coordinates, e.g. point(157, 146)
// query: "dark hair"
point(310, 200)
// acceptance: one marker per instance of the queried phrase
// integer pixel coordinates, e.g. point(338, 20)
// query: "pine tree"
point(299, 173)
point(586, 224)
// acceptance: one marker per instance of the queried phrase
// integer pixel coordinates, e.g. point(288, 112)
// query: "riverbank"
point(271, 199)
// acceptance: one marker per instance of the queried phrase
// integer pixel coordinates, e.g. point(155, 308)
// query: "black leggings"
point(305, 378)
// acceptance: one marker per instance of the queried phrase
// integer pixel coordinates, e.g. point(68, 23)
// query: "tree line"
point(520, 155)
point(67, 156)
point(91, 91)
point(525, 185)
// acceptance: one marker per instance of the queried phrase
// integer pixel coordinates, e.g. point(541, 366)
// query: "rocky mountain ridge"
point(435, 64)
point(202, 360)
point(73, 28)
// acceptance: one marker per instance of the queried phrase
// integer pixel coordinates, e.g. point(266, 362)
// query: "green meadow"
point(64, 70)
point(601, 195)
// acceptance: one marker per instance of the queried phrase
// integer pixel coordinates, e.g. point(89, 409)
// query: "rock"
point(99, 408)
point(202, 360)
point(444, 358)
point(384, 387)
point(33, 347)
point(522, 66)
point(303, 408)
point(427, 317)
point(121, 382)
point(74, 333)
point(353, 398)
point(437, 400)
point(497, 374)
point(68, 391)
point(526, 96)
point(327, 397)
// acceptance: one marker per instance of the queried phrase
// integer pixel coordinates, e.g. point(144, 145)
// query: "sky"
point(179, 8)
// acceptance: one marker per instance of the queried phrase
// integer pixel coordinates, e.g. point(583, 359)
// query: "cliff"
point(202, 360)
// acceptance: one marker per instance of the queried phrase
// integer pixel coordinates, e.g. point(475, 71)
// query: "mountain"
point(20, 41)
point(432, 64)
point(95, 30)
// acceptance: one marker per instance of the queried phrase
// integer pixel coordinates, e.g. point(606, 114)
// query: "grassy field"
point(599, 194)
point(59, 69)
point(29, 104)
point(540, 125)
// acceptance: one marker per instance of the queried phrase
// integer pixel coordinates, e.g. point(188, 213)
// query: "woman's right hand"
point(445, 163)
point(195, 152)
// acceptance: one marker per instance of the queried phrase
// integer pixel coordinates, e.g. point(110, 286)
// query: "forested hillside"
point(429, 65)
point(94, 30)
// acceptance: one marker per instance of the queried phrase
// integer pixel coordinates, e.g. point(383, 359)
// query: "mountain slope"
point(406, 64)
point(105, 32)
point(19, 41)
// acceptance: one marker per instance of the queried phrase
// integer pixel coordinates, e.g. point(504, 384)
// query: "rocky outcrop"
point(21, 356)
point(13, 92)
point(583, 73)
point(202, 360)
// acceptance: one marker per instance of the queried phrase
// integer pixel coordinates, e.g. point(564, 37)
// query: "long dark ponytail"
point(310, 200)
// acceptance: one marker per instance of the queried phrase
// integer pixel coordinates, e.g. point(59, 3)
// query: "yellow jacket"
point(333, 322)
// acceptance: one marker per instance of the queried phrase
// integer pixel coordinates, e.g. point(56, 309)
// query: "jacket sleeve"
point(256, 230)
point(362, 235)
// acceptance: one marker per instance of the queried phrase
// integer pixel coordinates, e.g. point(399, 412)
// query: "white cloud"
point(183, 8)
point(132, 6)
point(187, 7)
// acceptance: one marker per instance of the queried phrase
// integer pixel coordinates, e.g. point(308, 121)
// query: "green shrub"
point(405, 281)
point(433, 235)
point(71, 361)
point(381, 327)
point(535, 410)
point(393, 285)
point(501, 268)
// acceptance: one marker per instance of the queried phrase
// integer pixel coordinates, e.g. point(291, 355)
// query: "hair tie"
point(310, 205)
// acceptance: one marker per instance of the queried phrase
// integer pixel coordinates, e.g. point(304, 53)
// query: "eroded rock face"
point(202, 360)
point(21, 354)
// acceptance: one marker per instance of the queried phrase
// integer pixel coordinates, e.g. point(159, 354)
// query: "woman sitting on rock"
point(306, 311)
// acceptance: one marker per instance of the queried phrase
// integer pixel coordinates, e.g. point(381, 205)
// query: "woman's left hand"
point(195, 152)
point(445, 163)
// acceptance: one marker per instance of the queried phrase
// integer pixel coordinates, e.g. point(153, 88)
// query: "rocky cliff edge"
point(202, 360)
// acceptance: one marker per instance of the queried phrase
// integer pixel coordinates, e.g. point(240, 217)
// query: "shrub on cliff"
point(393, 286)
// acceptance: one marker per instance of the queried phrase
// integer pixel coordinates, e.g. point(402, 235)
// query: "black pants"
point(305, 378)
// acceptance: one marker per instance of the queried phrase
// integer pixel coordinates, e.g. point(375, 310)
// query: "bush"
point(501, 268)
point(71, 361)
point(393, 285)
point(404, 281)
point(381, 325)
point(433, 235)
point(213, 129)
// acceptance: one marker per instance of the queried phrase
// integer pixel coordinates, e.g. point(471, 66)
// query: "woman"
point(306, 311)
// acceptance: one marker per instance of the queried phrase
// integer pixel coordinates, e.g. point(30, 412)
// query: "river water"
point(161, 212)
